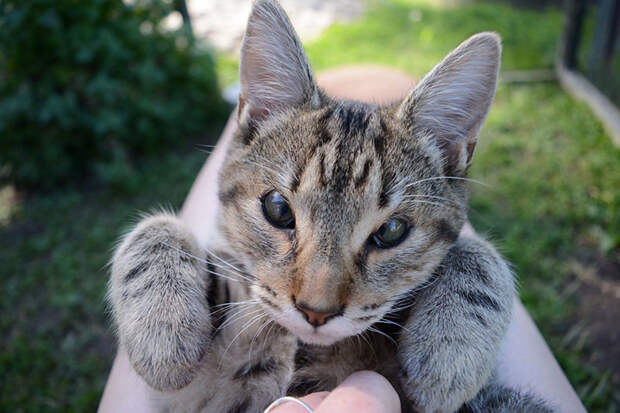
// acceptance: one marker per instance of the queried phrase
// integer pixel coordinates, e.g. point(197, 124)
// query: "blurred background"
point(104, 106)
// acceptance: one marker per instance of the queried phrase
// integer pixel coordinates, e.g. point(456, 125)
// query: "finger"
point(362, 392)
point(313, 400)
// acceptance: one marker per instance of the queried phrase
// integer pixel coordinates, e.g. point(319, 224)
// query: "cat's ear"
point(274, 71)
point(451, 102)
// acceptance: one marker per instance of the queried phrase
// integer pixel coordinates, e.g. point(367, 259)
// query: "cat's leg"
point(499, 399)
point(448, 348)
point(158, 294)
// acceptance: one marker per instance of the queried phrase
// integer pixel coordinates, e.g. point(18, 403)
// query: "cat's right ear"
point(450, 103)
point(274, 71)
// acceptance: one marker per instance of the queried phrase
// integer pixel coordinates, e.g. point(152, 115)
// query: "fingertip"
point(363, 391)
point(313, 400)
point(369, 377)
point(378, 386)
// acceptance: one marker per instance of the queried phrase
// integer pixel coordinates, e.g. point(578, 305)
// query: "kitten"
point(337, 248)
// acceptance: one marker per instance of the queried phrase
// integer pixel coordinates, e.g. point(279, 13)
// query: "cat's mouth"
point(327, 334)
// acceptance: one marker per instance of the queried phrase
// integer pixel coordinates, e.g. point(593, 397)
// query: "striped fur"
point(219, 329)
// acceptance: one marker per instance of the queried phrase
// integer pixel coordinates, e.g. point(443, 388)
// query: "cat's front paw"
point(158, 294)
point(455, 328)
point(431, 387)
point(166, 357)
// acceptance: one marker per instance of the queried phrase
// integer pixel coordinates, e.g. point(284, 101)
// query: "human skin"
point(524, 362)
point(363, 391)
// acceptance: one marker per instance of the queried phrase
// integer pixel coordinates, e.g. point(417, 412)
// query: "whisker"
point(419, 201)
point(204, 145)
point(447, 177)
point(276, 173)
point(248, 279)
point(272, 162)
point(248, 325)
point(273, 167)
point(203, 261)
point(374, 330)
point(235, 305)
point(227, 277)
point(258, 331)
point(441, 198)
point(363, 336)
point(386, 321)
point(217, 274)
point(270, 329)
point(224, 262)
point(239, 315)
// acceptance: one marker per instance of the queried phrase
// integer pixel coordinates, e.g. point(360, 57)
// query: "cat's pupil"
point(277, 210)
point(390, 233)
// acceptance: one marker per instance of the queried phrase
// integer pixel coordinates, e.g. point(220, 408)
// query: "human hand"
point(361, 392)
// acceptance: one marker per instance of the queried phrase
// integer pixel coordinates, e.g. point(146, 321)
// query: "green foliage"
point(86, 87)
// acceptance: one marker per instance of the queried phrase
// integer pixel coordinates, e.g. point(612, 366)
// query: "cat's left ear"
point(274, 71)
point(450, 103)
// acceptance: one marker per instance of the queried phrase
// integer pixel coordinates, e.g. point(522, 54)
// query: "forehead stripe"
point(323, 126)
point(387, 177)
point(299, 170)
point(322, 170)
point(361, 180)
point(353, 118)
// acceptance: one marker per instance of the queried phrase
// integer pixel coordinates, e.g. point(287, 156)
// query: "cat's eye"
point(391, 233)
point(277, 210)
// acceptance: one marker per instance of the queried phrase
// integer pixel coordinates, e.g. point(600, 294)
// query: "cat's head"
point(338, 209)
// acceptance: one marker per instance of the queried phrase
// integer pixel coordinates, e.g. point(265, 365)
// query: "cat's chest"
point(319, 368)
point(252, 361)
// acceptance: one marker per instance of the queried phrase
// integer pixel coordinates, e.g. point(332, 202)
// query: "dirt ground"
point(598, 308)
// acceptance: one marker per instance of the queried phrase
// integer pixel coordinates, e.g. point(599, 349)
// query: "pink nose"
point(315, 317)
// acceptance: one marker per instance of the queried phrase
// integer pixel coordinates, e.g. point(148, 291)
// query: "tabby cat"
point(337, 248)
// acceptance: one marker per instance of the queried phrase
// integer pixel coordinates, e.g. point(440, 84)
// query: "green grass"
point(552, 171)
point(414, 36)
point(554, 179)
point(57, 344)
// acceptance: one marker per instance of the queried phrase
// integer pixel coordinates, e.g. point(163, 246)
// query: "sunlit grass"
point(9, 204)
point(414, 35)
point(554, 198)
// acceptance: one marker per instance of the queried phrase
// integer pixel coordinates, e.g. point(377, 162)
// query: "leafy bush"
point(87, 87)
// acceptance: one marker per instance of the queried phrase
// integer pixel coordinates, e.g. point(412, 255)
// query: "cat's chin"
point(308, 335)
point(318, 339)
